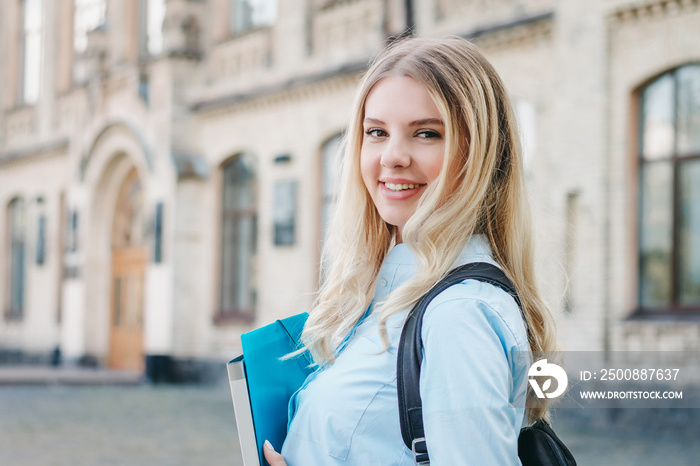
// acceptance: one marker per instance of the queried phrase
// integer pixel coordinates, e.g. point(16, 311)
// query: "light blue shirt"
point(473, 376)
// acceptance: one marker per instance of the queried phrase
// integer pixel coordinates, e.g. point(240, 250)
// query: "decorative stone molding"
point(20, 125)
point(489, 9)
point(182, 28)
point(117, 83)
point(642, 11)
point(108, 130)
point(93, 62)
point(70, 107)
point(648, 38)
point(243, 54)
point(456, 15)
point(299, 87)
point(33, 152)
point(522, 31)
point(340, 27)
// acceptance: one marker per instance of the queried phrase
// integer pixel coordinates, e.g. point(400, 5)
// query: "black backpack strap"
point(410, 352)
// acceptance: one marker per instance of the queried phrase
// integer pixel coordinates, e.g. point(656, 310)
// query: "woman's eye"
point(375, 132)
point(428, 134)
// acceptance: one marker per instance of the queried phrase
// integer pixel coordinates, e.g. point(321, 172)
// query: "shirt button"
point(383, 282)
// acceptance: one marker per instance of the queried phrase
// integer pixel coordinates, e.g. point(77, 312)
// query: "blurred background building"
point(167, 167)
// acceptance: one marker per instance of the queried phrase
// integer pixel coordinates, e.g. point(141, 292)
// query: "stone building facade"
point(167, 166)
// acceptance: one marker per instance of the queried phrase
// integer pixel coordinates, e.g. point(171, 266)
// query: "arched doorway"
point(127, 280)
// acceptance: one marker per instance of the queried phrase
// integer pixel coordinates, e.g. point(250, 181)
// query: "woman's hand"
point(272, 457)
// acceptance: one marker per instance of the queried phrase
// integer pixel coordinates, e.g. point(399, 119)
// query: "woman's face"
point(402, 147)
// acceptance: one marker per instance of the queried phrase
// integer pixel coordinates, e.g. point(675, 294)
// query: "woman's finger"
point(272, 457)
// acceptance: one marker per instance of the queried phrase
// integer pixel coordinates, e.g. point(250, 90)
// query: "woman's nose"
point(396, 154)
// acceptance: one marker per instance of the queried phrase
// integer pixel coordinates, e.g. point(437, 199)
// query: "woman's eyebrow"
point(373, 121)
point(425, 121)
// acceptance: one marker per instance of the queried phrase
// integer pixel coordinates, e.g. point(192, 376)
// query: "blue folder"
point(272, 382)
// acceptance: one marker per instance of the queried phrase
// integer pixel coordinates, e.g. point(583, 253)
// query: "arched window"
point(238, 238)
point(17, 257)
point(669, 192)
point(329, 183)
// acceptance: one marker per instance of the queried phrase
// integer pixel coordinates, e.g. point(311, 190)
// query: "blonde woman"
point(432, 178)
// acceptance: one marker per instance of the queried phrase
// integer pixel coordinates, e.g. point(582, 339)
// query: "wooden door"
point(127, 284)
point(126, 335)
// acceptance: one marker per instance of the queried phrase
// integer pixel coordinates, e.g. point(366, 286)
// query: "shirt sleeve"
point(467, 377)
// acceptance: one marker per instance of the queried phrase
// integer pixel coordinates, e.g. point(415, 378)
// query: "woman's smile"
point(400, 189)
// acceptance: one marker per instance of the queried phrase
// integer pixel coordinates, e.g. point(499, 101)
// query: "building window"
point(151, 16)
point(31, 50)
point(17, 258)
point(669, 182)
point(329, 183)
point(248, 14)
point(285, 212)
point(238, 238)
point(88, 15)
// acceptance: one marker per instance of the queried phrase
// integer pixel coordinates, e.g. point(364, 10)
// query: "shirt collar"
point(477, 249)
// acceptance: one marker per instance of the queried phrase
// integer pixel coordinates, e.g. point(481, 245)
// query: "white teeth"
point(400, 187)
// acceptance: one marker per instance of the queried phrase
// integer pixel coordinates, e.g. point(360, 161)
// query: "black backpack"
point(538, 445)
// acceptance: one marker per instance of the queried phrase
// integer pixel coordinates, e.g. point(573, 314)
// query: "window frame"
point(22, 68)
point(82, 8)
point(238, 27)
point(676, 160)
point(11, 313)
point(235, 314)
point(150, 38)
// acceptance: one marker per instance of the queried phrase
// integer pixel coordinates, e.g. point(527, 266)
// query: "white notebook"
point(244, 416)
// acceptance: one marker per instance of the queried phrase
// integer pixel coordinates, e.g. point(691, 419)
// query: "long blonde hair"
point(480, 190)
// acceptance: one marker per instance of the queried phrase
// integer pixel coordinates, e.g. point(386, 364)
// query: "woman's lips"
point(400, 195)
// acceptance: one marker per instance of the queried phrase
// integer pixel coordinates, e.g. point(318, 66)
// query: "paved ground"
point(42, 375)
point(189, 425)
point(639, 444)
point(117, 425)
